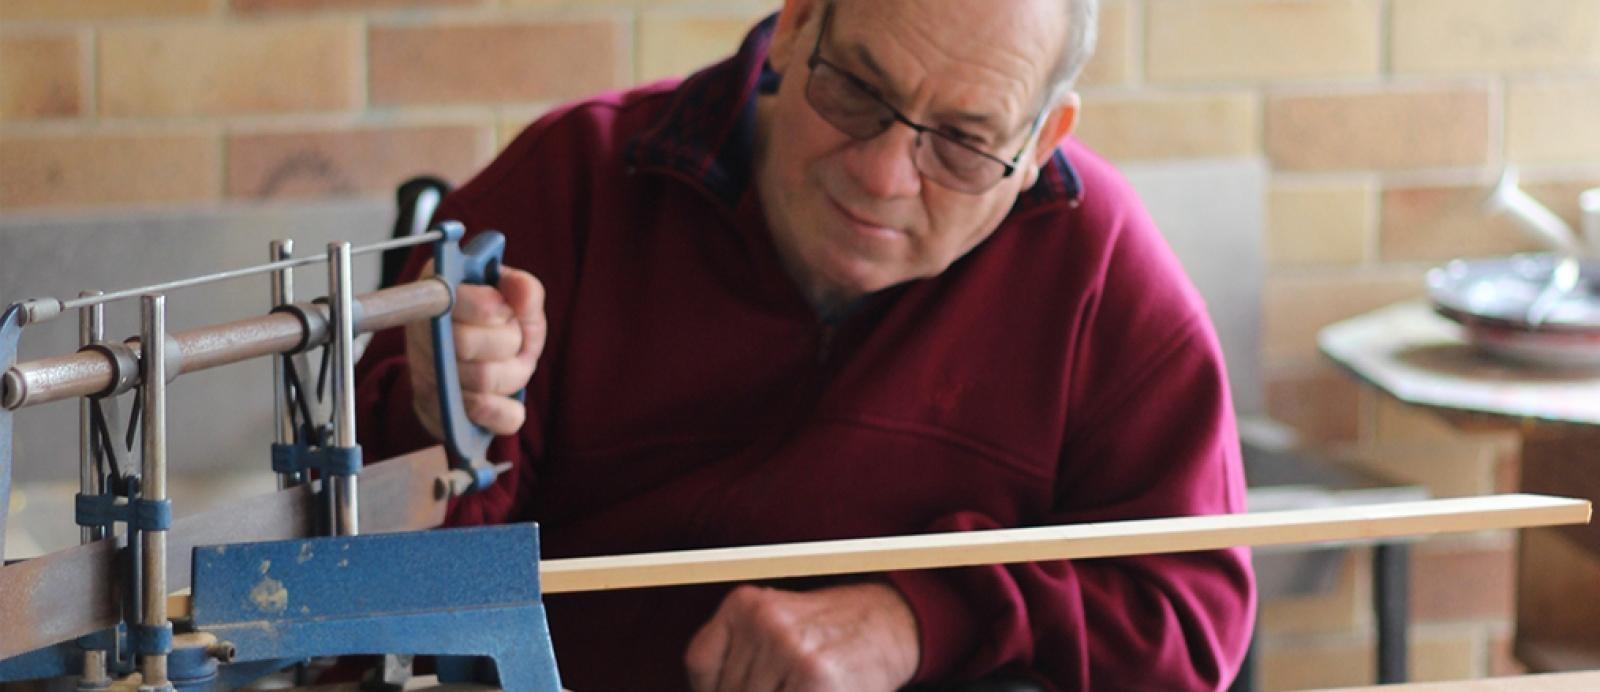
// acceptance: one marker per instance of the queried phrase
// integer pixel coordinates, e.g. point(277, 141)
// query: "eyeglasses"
point(859, 110)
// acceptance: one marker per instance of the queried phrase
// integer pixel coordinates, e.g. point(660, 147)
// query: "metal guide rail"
point(99, 611)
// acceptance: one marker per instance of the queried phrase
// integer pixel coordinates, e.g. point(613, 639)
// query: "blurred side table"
point(1411, 353)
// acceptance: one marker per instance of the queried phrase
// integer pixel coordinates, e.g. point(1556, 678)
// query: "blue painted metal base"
point(470, 593)
point(449, 592)
point(50, 662)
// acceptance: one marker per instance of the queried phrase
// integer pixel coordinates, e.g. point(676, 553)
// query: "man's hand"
point(499, 334)
point(860, 637)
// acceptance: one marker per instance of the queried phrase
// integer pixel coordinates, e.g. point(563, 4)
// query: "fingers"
point(732, 652)
point(497, 413)
point(477, 342)
point(523, 293)
point(480, 305)
point(705, 654)
point(501, 377)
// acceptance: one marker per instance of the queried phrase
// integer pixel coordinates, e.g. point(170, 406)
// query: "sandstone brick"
point(1388, 128)
point(499, 62)
point(1553, 121)
point(1440, 223)
point(1420, 445)
point(1302, 664)
point(1321, 404)
point(1508, 475)
point(1447, 653)
point(1458, 467)
point(1343, 608)
point(512, 122)
point(1116, 44)
point(223, 69)
point(1296, 307)
point(760, 5)
point(1319, 224)
point(331, 164)
point(1561, 194)
point(1456, 585)
point(263, 6)
point(1502, 662)
point(1261, 39)
point(671, 44)
point(1172, 126)
point(23, 10)
point(1396, 422)
point(40, 76)
point(1436, 653)
point(107, 169)
point(1443, 36)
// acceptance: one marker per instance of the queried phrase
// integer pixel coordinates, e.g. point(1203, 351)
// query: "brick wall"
point(1384, 121)
point(247, 100)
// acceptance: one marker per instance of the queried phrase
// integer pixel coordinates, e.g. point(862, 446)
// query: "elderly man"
point(853, 281)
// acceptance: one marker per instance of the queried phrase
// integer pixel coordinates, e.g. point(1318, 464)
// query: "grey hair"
point(1082, 32)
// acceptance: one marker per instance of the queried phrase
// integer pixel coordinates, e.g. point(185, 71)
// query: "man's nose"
point(885, 166)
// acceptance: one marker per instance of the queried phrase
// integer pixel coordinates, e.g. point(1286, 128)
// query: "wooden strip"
point(1546, 682)
point(69, 593)
point(1079, 541)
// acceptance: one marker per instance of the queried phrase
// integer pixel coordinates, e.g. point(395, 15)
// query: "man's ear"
point(1057, 125)
point(786, 47)
point(1060, 123)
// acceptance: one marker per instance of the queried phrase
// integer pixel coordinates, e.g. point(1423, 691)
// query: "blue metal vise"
point(423, 593)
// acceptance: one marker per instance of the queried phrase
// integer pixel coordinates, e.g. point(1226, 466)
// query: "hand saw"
point(73, 592)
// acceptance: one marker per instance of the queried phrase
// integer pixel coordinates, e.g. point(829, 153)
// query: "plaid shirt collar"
point(707, 133)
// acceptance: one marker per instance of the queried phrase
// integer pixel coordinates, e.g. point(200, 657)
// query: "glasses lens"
point(845, 104)
point(958, 165)
point(850, 106)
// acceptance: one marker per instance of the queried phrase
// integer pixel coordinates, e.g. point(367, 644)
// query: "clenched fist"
point(860, 637)
point(499, 334)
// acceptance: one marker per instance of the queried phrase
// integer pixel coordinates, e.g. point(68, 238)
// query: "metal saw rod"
point(36, 310)
point(92, 372)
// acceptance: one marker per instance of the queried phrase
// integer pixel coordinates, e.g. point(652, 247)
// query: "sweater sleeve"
point(1164, 446)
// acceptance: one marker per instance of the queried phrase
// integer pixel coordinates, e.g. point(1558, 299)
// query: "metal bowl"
point(1492, 297)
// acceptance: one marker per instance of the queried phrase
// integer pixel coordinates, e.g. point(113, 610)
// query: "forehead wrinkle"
point(948, 77)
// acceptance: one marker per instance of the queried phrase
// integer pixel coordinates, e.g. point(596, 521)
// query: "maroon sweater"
point(1064, 371)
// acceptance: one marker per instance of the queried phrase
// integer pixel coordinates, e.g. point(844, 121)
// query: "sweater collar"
point(707, 132)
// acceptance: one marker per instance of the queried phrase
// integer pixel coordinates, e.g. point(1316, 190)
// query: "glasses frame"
point(816, 59)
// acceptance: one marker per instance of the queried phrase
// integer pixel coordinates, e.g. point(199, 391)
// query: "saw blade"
point(72, 592)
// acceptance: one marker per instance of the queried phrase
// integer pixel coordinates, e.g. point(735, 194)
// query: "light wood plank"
point(1181, 534)
point(1552, 682)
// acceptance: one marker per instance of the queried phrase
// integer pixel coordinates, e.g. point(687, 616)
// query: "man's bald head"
point(1077, 46)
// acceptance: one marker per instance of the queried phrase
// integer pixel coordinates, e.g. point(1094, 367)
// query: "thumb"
point(523, 292)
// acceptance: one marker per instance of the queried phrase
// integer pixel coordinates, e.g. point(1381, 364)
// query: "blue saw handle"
point(466, 443)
